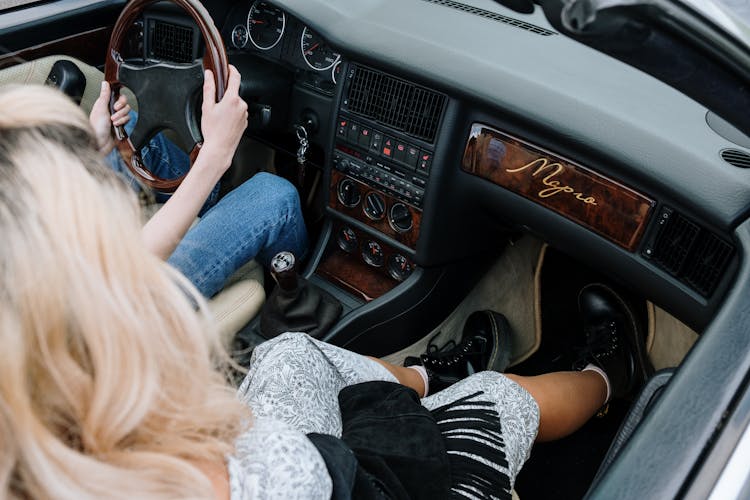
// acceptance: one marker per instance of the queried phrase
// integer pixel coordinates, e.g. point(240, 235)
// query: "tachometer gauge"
point(316, 52)
point(239, 36)
point(265, 25)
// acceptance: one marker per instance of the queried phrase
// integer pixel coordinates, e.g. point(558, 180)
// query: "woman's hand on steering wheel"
point(223, 122)
point(101, 121)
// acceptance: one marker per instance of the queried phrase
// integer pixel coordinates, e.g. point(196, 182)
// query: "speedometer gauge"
point(316, 52)
point(265, 25)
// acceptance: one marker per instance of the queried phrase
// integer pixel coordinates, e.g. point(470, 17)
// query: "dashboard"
point(434, 148)
point(267, 31)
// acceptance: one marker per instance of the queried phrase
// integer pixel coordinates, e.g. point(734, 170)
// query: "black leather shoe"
point(615, 342)
point(484, 345)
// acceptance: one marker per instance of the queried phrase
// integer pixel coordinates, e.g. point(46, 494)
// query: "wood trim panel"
point(408, 238)
point(350, 272)
point(89, 47)
point(572, 190)
point(353, 275)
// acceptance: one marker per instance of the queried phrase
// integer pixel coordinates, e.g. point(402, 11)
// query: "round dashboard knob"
point(374, 206)
point(400, 218)
point(348, 193)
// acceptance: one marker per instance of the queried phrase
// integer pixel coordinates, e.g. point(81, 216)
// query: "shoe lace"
point(447, 355)
point(433, 348)
point(602, 342)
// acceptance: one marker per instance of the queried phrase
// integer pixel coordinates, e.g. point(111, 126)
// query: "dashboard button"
point(399, 153)
point(365, 136)
point(387, 149)
point(353, 134)
point(343, 128)
point(376, 142)
point(412, 156)
point(425, 163)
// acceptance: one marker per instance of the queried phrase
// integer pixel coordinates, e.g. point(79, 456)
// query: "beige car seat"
point(243, 294)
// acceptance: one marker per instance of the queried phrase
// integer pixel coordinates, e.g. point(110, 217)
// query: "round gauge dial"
point(265, 25)
point(316, 52)
point(399, 267)
point(372, 253)
point(239, 36)
point(347, 240)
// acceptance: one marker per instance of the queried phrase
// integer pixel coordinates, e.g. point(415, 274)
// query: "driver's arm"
point(222, 125)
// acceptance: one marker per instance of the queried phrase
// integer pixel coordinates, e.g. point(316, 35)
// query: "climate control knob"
point(374, 206)
point(400, 218)
point(348, 193)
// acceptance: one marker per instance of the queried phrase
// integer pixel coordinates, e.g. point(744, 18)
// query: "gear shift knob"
point(282, 270)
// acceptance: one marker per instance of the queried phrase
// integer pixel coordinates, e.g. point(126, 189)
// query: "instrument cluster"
point(269, 32)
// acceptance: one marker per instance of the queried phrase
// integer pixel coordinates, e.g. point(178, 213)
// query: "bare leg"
point(566, 400)
point(405, 376)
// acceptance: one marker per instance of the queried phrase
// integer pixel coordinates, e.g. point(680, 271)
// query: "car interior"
point(460, 156)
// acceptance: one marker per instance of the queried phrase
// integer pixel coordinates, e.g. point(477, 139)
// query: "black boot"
point(615, 341)
point(484, 345)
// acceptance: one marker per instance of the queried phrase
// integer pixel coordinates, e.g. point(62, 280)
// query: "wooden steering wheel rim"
point(215, 59)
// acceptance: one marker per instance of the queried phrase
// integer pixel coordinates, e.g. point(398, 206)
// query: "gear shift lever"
point(282, 270)
point(296, 305)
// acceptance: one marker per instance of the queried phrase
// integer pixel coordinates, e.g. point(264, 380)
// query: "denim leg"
point(163, 158)
point(256, 220)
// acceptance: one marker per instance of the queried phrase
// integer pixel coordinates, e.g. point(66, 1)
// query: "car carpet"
point(567, 466)
point(508, 287)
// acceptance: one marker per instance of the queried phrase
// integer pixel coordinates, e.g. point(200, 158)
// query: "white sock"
point(423, 373)
point(593, 368)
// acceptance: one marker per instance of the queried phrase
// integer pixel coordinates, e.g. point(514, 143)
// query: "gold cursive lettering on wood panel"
point(554, 186)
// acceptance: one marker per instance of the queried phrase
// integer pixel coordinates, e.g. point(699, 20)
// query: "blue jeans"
point(256, 220)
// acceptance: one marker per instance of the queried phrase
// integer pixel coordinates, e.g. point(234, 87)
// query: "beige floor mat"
point(508, 288)
point(511, 287)
point(672, 340)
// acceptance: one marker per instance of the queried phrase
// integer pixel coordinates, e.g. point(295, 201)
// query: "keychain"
point(301, 152)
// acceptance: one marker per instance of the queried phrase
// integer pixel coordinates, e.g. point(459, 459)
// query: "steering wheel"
point(164, 90)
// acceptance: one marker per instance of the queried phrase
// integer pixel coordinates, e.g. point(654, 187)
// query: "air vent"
point(170, 42)
point(396, 103)
point(494, 16)
point(674, 242)
point(707, 263)
point(693, 254)
point(736, 157)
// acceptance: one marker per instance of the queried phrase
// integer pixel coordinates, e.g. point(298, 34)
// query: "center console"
point(382, 158)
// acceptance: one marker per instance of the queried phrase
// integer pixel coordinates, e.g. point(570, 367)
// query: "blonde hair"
point(108, 378)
